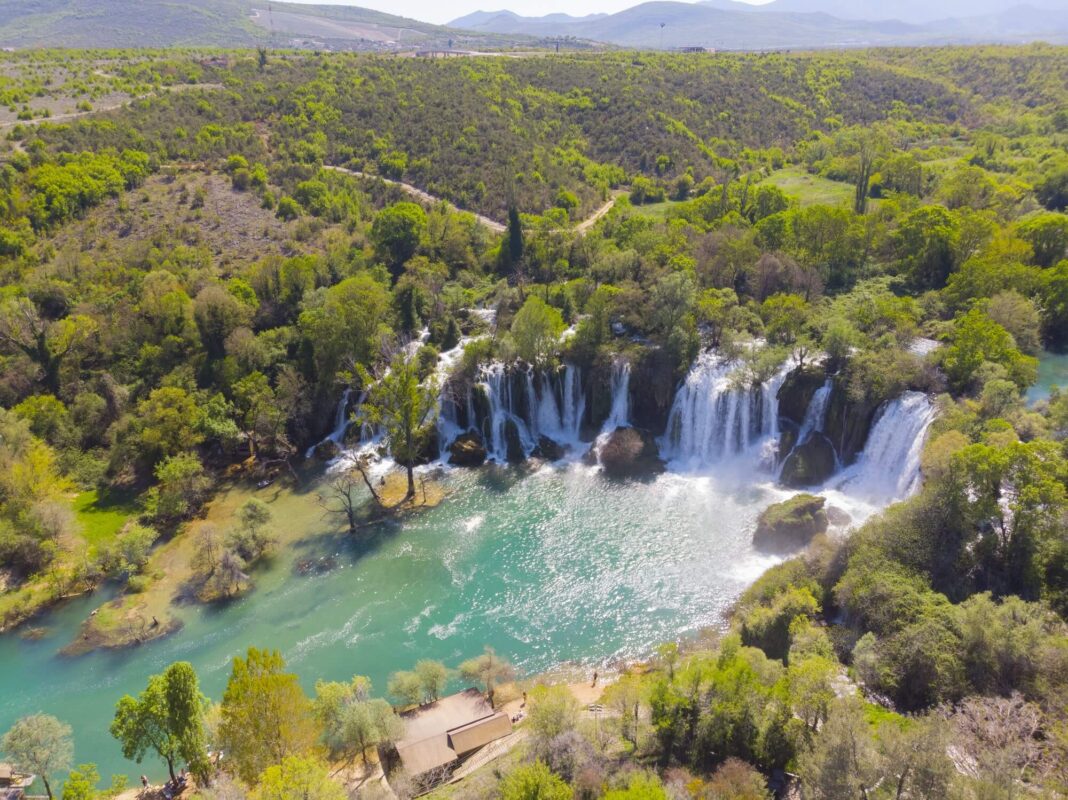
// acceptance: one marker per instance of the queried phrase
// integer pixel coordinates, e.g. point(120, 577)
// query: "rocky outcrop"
point(467, 450)
point(795, 394)
point(848, 422)
point(809, 464)
point(791, 524)
point(513, 442)
point(549, 449)
point(630, 452)
point(597, 389)
point(326, 450)
point(838, 517)
point(652, 388)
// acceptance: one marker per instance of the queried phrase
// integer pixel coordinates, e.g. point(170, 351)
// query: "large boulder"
point(791, 524)
point(810, 463)
point(467, 450)
point(549, 449)
point(630, 452)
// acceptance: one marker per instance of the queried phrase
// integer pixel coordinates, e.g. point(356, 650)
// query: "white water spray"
point(889, 467)
point(712, 418)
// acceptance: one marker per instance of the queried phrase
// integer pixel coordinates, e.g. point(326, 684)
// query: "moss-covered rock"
point(467, 450)
point(791, 524)
point(810, 463)
point(630, 452)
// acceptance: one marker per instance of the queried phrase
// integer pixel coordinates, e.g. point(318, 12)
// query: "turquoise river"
point(548, 565)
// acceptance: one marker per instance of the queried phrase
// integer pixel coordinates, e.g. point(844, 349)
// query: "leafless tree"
point(999, 741)
point(343, 496)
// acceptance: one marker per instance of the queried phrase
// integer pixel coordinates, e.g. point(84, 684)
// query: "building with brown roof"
point(441, 735)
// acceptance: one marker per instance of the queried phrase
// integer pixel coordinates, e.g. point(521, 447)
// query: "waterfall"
point(816, 413)
point(539, 403)
point(341, 423)
point(889, 467)
point(712, 418)
point(558, 411)
point(619, 415)
point(449, 426)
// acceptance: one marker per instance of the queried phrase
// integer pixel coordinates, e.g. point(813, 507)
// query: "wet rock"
point(480, 405)
point(810, 463)
point(795, 394)
point(597, 386)
point(848, 422)
point(549, 450)
point(326, 450)
point(467, 450)
point(654, 377)
point(791, 524)
point(631, 452)
point(513, 443)
point(787, 439)
point(838, 517)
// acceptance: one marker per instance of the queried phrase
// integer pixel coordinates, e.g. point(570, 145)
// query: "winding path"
point(492, 224)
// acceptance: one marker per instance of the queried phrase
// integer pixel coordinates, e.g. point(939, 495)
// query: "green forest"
point(201, 251)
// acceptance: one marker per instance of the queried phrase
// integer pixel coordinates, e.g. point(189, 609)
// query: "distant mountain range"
point(732, 25)
point(720, 24)
point(916, 12)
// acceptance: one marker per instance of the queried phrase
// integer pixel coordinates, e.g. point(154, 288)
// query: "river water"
point(546, 564)
point(559, 564)
point(1052, 371)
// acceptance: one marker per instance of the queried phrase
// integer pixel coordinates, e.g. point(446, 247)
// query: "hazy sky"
point(445, 10)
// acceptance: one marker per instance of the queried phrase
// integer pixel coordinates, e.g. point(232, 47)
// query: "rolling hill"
point(222, 23)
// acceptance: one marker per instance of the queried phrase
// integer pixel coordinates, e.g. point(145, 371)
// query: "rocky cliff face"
point(848, 423)
point(822, 429)
point(652, 389)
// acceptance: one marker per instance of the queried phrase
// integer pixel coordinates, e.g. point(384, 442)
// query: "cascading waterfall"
point(816, 413)
point(712, 418)
point(341, 423)
point(889, 467)
point(619, 414)
point(537, 403)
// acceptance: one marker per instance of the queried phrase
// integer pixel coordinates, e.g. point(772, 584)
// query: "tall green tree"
point(536, 331)
point(404, 406)
point(39, 744)
point(345, 324)
point(168, 718)
point(265, 714)
point(397, 232)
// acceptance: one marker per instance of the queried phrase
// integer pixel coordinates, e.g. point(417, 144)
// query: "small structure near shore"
point(438, 737)
point(13, 785)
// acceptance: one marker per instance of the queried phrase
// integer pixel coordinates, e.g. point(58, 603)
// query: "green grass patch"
point(811, 190)
point(657, 211)
point(102, 517)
